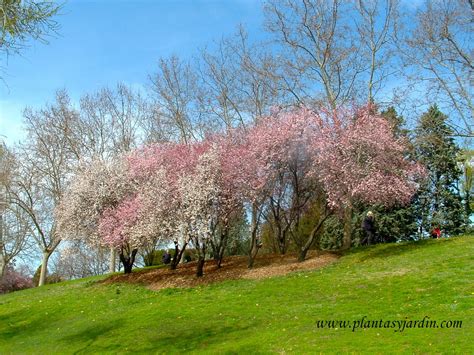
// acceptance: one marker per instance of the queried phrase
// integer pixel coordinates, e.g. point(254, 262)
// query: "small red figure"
point(436, 233)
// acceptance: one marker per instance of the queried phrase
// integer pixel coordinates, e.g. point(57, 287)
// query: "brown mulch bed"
point(233, 268)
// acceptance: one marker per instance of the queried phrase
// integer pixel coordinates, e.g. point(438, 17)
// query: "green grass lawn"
point(389, 282)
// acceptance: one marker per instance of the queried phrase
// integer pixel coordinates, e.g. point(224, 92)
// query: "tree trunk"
point(221, 247)
point(128, 260)
point(312, 236)
point(347, 238)
point(44, 267)
point(468, 205)
point(253, 240)
point(200, 266)
point(178, 254)
point(219, 262)
point(201, 250)
point(173, 263)
point(112, 257)
point(281, 238)
point(3, 265)
point(222, 250)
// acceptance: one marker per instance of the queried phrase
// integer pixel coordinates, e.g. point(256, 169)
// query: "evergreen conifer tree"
point(397, 222)
point(438, 202)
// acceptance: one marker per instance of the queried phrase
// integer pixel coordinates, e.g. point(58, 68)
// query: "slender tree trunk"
point(173, 263)
point(222, 246)
point(201, 249)
point(347, 238)
point(281, 238)
point(219, 262)
point(468, 205)
point(222, 249)
point(128, 261)
point(113, 256)
point(200, 266)
point(44, 267)
point(312, 236)
point(254, 246)
point(3, 264)
point(178, 254)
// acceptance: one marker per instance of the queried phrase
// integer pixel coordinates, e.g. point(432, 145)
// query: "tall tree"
point(439, 50)
point(175, 89)
point(334, 52)
point(376, 29)
point(100, 196)
point(15, 226)
point(467, 183)
point(360, 160)
point(45, 163)
point(320, 51)
point(438, 202)
point(396, 222)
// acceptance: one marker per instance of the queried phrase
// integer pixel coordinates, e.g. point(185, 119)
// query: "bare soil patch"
point(233, 268)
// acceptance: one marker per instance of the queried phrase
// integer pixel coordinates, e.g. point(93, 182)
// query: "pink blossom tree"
point(338, 158)
point(248, 176)
point(269, 168)
point(200, 194)
point(163, 200)
point(185, 193)
point(357, 158)
point(286, 136)
point(101, 195)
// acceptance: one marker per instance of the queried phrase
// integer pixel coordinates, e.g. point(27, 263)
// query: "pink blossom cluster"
point(357, 158)
point(182, 191)
point(13, 280)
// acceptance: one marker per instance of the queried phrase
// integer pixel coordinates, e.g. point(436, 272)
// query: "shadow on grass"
point(199, 338)
point(86, 337)
point(387, 250)
point(11, 324)
point(22, 323)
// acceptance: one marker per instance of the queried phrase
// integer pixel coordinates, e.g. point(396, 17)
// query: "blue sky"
point(103, 42)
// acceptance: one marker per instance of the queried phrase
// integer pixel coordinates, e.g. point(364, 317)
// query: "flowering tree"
point(186, 193)
point(249, 178)
point(192, 197)
point(199, 197)
point(268, 166)
point(158, 170)
point(207, 202)
point(99, 193)
point(14, 280)
point(286, 137)
point(357, 158)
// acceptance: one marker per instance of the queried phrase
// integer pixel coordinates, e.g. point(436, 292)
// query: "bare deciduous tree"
point(376, 28)
point(111, 122)
point(438, 51)
point(318, 47)
point(175, 86)
point(239, 82)
point(14, 226)
point(45, 163)
point(78, 260)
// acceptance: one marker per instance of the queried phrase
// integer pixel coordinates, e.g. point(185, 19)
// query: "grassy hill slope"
point(389, 282)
